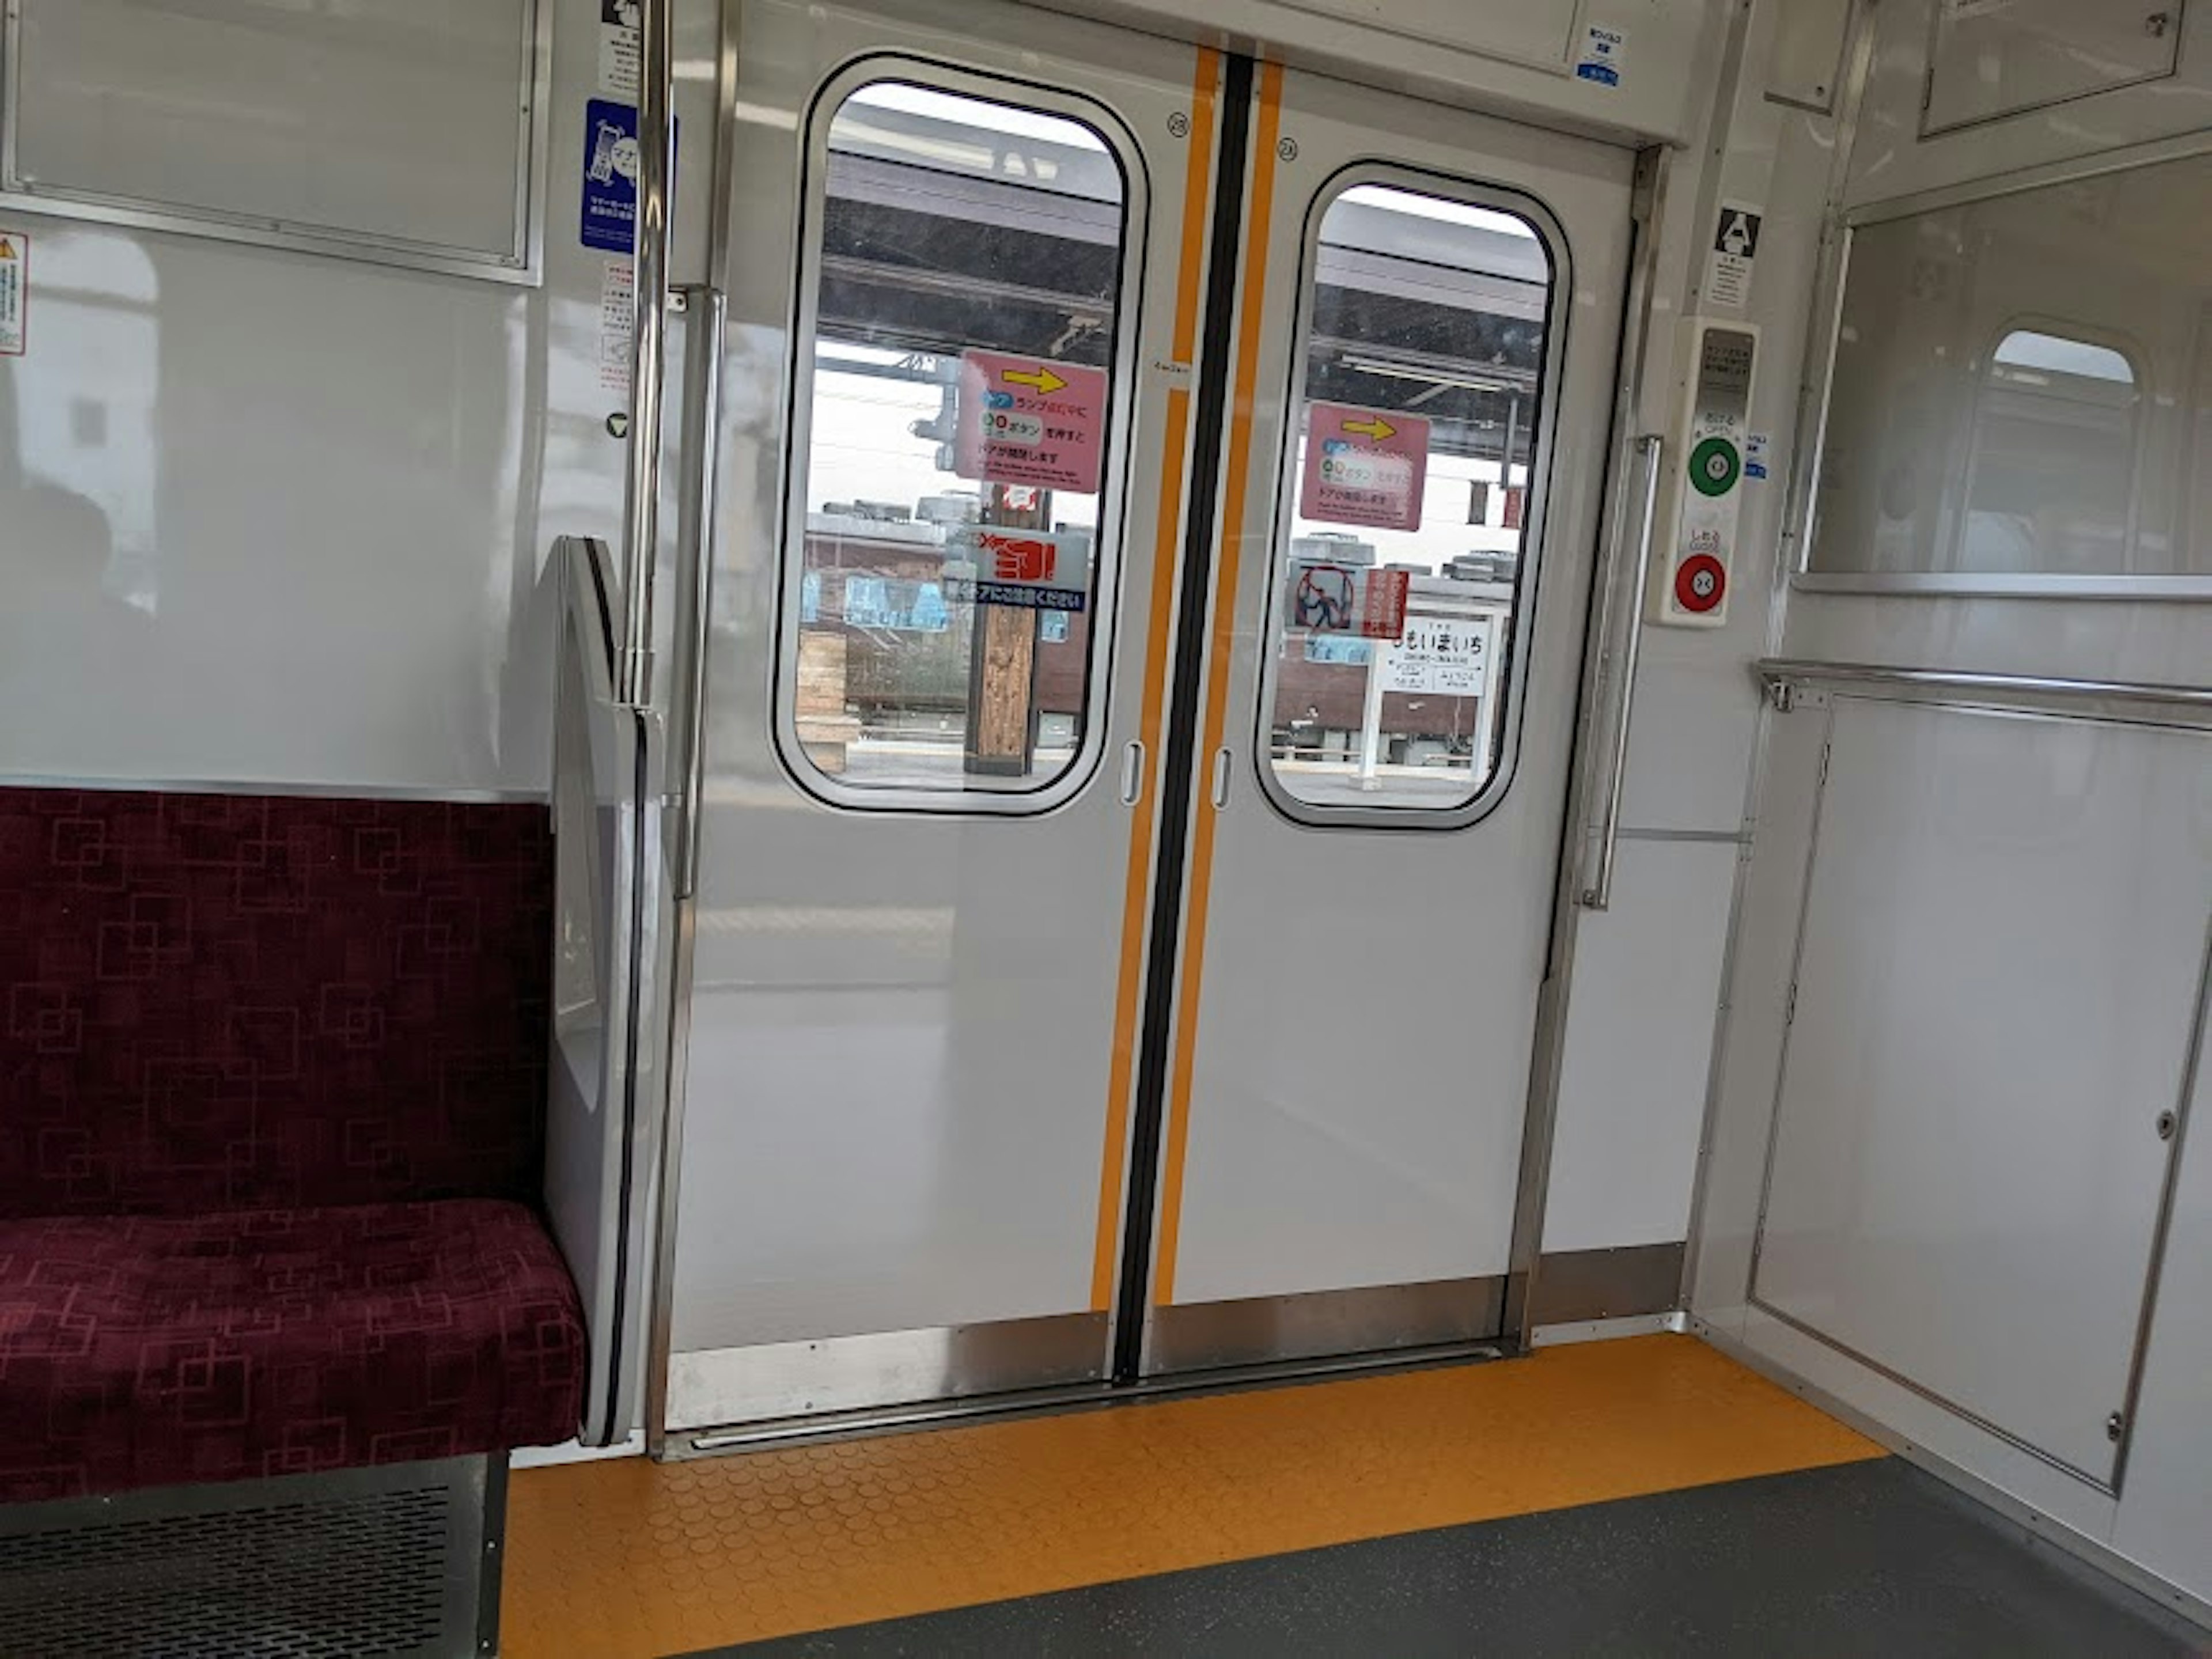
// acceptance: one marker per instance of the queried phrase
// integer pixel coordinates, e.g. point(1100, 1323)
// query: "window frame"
point(799, 355)
point(1528, 585)
point(1832, 292)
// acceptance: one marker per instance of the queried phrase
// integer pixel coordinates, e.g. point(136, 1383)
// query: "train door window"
point(953, 492)
point(1411, 483)
point(2053, 469)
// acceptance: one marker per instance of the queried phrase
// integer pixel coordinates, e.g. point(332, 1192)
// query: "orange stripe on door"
point(1234, 498)
point(1153, 674)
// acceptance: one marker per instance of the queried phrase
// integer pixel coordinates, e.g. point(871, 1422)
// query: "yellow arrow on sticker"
point(1373, 427)
point(1043, 380)
point(7, 248)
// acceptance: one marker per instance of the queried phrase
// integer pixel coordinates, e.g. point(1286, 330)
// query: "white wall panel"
point(1890, 158)
point(2166, 1508)
point(272, 517)
point(1639, 1046)
point(404, 120)
point(1504, 59)
point(1995, 998)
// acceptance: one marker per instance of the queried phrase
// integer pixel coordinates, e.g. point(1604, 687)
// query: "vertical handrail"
point(704, 312)
point(641, 503)
point(1598, 896)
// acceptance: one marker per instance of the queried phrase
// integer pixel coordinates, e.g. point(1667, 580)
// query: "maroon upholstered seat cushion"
point(234, 1002)
point(153, 1351)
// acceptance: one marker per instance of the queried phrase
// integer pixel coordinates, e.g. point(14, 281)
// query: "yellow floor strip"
point(634, 1561)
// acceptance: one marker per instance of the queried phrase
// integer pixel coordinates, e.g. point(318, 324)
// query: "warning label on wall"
point(617, 325)
point(1363, 467)
point(1736, 249)
point(618, 46)
point(1027, 420)
point(14, 291)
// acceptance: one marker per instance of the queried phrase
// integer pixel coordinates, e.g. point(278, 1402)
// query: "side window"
point(2019, 397)
point(2052, 486)
point(951, 463)
point(1403, 552)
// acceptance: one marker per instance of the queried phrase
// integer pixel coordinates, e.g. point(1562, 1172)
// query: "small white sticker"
point(618, 325)
point(1754, 455)
point(1735, 252)
point(1604, 56)
point(618, 47)
point(1167, 369)
point(14, 291)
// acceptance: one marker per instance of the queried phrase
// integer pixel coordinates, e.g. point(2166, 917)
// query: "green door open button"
point(1715, 466)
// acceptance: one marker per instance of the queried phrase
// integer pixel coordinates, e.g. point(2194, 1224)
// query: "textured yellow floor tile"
point(633, 1560)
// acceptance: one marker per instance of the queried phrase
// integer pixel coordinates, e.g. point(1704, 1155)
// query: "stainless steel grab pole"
point(704, 313)
point(648, 348)
point(1598, 896)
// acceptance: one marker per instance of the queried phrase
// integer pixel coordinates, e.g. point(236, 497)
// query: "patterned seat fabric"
point(272, 1085)
point(154, 1351)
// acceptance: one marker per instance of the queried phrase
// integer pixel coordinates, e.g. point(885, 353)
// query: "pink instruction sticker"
point(1363, 467)
point(1031, 421)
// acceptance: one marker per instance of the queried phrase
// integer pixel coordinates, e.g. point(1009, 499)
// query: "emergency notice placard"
point(14, 291)
point(1363, 467)
point(1031, 421)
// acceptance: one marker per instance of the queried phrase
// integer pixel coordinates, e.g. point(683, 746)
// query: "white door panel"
point(1351, 1112)
point(929, 1063)
point(897, 1117)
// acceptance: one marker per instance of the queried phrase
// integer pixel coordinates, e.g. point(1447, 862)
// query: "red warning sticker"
point(1700, 583)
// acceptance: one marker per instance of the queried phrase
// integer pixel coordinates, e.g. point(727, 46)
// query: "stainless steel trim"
point(1040, 1402)
point(271, 786)
point(1598, 896)
point(2002, 689)
point(705, 318)
point(778, 1382)
point(2169, 1194)
point(2078, 1545)
point(656, 142)
point(680, 965)
point(1209, 1336)
point(1823, 322)
point(1578, 1286)
point(2028, 585)
point(1570, 1333)
point(1648, 205)
point(1804, 908)
point(1736, 837)
point(2071, 170)
point(523, 265)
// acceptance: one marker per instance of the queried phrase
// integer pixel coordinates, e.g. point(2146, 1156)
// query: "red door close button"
point(1700, 583)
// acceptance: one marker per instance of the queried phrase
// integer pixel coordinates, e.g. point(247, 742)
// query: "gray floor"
point(1872, 1558)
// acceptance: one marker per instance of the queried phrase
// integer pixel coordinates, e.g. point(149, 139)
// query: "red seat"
point(156, 1350)
point(273, 1098)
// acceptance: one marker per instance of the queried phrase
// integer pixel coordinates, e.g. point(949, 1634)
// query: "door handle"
point(1220, 778)
point(1598, 896)
point(1132, 772)
point(705, 312)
